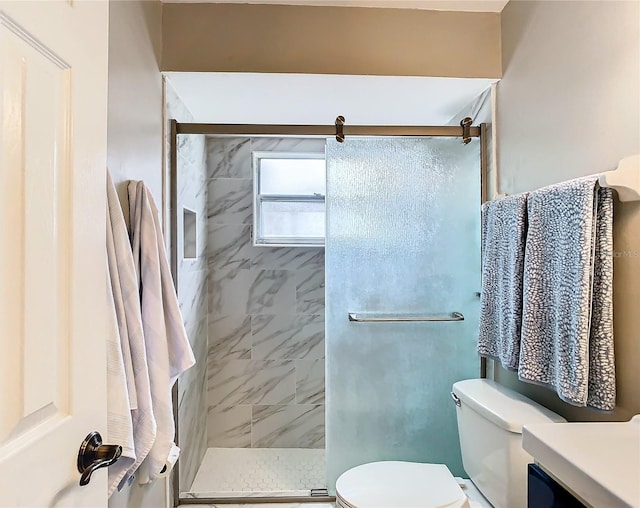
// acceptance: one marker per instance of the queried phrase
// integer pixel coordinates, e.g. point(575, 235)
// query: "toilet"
point(490, 419)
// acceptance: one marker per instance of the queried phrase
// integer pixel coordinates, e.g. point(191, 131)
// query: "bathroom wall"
point(192, 288)
point(134, 142)
point(135, 94)
point(266, 315)
point(209, 37)
point(567, 106)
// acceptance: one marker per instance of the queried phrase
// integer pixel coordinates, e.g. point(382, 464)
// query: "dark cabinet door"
point(545, 492)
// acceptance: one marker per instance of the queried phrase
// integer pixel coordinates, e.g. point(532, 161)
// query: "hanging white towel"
point(504, 228)
point(119, 424)
point(169, 353)
point(134, 429)
point(567, 328)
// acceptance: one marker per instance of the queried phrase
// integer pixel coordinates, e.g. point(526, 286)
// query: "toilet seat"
point(394, 484)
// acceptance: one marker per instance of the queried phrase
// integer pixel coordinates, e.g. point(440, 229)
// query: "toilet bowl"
point(394, 484)
point(490, 419)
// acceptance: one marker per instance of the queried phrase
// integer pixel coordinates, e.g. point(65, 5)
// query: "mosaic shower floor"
point(255, 472)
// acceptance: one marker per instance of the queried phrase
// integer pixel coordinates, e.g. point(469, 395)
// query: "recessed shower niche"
point(189, 233)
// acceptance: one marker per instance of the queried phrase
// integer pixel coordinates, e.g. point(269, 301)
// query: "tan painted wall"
point(134, 140)
point(135, 95)
point(569, 106)
point(330, 40)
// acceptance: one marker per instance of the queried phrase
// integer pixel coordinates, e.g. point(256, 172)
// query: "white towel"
point(119, 424)
point(173, 457)
point(129, 357)
point(567, 329)
point(504, 228)
point(169, 353)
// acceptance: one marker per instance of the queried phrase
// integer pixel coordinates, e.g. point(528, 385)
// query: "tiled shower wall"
point(266, 315)
point(192, 290)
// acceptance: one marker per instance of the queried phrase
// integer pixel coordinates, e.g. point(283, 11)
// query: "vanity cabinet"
point(544, 492)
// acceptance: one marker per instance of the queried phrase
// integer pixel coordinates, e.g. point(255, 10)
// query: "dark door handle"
point(94, 455)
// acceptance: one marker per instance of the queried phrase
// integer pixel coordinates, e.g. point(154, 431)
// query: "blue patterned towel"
point(567, 329)
point(504, 227)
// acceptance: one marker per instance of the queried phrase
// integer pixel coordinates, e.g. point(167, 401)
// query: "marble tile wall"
point(192, 290)
point(265, 362)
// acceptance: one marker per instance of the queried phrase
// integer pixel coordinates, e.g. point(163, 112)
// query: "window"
point(289, 191)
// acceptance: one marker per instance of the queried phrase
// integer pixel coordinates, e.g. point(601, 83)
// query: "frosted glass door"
point(403, 239)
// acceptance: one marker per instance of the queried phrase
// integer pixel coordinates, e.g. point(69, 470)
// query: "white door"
point(53, 318)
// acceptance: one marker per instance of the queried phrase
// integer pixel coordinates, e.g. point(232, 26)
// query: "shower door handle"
point(386, 318)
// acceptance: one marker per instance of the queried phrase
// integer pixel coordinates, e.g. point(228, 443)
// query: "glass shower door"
point(402, 241)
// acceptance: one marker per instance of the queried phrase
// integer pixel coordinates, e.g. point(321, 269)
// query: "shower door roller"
point(94, 455)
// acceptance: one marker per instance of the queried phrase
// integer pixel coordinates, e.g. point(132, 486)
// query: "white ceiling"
point(318, 99)
point(438, 5)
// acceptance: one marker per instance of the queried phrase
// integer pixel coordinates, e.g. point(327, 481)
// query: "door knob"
point(94, 455)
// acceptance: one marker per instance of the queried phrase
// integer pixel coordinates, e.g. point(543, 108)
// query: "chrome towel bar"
point(382, 318)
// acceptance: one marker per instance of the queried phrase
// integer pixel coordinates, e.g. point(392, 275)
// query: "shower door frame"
point(266, 130)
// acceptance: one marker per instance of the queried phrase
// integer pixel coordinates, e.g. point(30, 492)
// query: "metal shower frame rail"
point(341, 131)
point(321, 130)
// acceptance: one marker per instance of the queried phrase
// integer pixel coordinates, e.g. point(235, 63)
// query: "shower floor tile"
point(252, 472)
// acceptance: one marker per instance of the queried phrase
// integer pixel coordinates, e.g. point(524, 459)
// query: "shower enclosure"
point(402, 271)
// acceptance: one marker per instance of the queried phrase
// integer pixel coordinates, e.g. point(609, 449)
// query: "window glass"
point(292, 176)
point(292, 219)
point(290, 198)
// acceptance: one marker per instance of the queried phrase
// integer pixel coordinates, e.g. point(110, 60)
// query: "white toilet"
point(490, 420)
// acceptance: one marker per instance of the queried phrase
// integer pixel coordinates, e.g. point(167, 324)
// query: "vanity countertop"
point(599, 462)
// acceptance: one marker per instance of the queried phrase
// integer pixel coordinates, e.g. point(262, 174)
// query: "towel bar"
point(625, 179)
point(382, 318)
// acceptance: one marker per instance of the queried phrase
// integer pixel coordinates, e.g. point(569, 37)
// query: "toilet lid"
point(399, 484)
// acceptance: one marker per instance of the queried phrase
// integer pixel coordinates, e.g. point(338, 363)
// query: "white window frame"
point(258, 199)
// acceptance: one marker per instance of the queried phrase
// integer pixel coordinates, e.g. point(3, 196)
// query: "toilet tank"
point(490, 419)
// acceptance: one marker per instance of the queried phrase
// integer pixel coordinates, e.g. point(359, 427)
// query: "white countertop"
point(599, 462)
